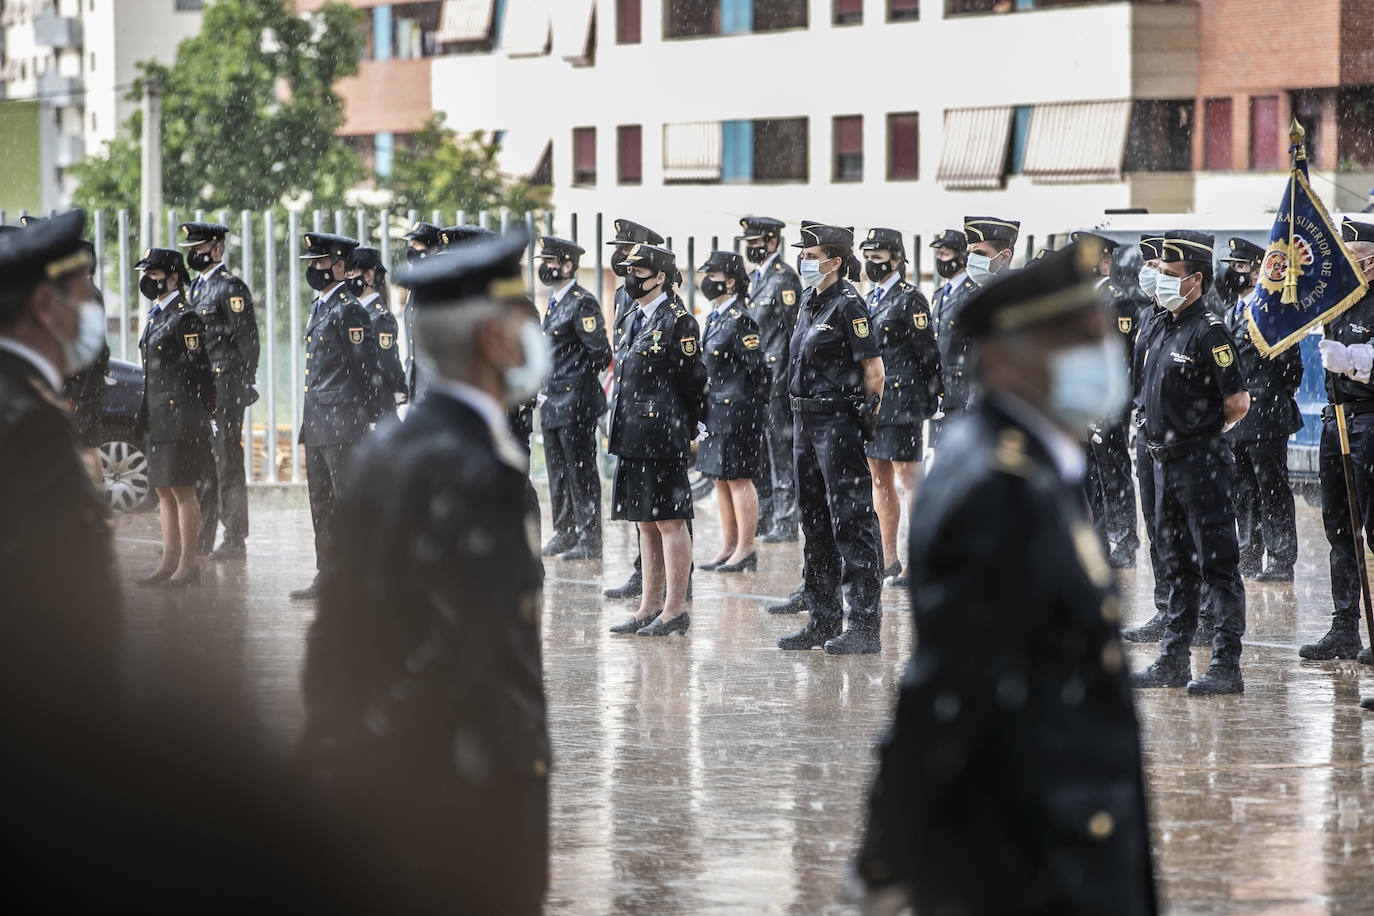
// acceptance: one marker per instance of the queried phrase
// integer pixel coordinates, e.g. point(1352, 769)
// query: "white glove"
point(938, 415)
point(371, 427)
point(701, 432)
point(1335, 357)
point(214, 428)
point(402, 410)
point(1097, 438)
point(400, 397)
point(539, 399)
point(1361, 361)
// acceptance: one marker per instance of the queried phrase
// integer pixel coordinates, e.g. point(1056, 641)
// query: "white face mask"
point(811, 273)
point(81, 352)
point(524, 381)
point(1088, 384)
point(981, 270)
point(1148, 279)
point(1169, 293)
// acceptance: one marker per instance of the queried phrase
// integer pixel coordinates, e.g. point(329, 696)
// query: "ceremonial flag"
point(1307, 276)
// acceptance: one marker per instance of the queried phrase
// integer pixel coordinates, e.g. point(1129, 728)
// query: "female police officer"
point(911, 387)
point(836, 383)
point(178, 403)
point(736, 399)
point(659, 385)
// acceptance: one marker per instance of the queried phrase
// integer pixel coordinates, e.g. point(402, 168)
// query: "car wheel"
point(125, 470)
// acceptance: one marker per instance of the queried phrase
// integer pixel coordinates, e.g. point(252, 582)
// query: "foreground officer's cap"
point(47, 250)
point(760, 227)
point(424, 232)
point(1042, 292)
point(1352, 231)
point(26, 221)
point(481, 270)
point(168, 259)
point(319, 245)
point(1243, 250)
point(814, 233)
point(1186, 245)
point(727, 262)
point(991, 229)
point(1151, 246)
point(366, 259)
point(554, 247)
point(1104, 245)
point(886, 239)
point(449, 236)
point(196, 233)
point(632, 233)
point(653, 257)
point(950, 238)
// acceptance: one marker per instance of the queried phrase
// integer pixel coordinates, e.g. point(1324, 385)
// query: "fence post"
point(124, 284)
point(246, 273)
point(916, 259)
point(270, 271)
point(340, 223)
point(437, 218)
point(484, 219)
point(600, 282)
point(293, 304)
point(529, 243)
point(99, 247)
point(462, 218)
point(505, 220)
point(572, 226)
point(172, 227)
point(360, 218)
point(384, 239)
point(687, 275)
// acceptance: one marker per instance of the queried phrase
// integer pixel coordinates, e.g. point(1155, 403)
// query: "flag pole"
point(1290, 277)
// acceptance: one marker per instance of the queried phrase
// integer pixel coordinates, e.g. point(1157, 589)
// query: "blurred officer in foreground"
point(344, 393)
point(223, 302)
point(423, 680)
point(572, 402)
point(1265, 512)
point(86, 391)
point(366, 277)
point(774, 293)
point(1194, 392)
point(1010, 779)
point(423, 240)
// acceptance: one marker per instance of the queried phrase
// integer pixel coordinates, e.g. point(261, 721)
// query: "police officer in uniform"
point(775, 290)
point(366, 278)
point(223, 302)
point(912, 384)
point(344, 392)
point(951, 258)
point(1110, 490)
point(177, 413)
point(1010, 780)
point(422, 240)
point(451, 237)
point(836, 386)
point(1194, 392)
point(572, 401)
point(1264, 498)
point(455, 785)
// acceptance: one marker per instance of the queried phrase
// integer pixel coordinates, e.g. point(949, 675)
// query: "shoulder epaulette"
point(1010, 455)
point(777, 265)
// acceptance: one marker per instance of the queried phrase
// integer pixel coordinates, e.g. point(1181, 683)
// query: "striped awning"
point(974, 151)
point(1077, 141)
point(692, 151)
point(525, 27)
point(465, 20)
point(572, 30)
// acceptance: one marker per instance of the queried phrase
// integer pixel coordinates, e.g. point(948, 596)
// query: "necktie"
point(637, 323)
point(755, 278)
point(947, 286)
point(553, 297)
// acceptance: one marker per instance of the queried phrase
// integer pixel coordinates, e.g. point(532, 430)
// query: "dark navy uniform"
point(627, 233)
point(1151, 326)
point(737, 394)
point(395, 388)
point(428, 236)
point(86, 390)
point(774, 296)
point(912, 381)
point(954, 343)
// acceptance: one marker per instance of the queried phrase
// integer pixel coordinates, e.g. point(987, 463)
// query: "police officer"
point(366, 278)
point(836, 385)
point(1010, 780)
point(1194, 392)
point(86, 391)
point(1346, 357)
point(1110, 491)
point(344, 392)
point(1264, 497)
point(451, 237)
point(572, 401)
point(775, 290)
point(660, 385)
point(223, 302)
point(951, 258)
point(176, 415)
point(911, 386)
point(737, 399)
point(455, 786)
point(422, 240)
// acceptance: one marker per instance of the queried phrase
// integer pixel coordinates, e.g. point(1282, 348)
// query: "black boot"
point(1276, 574)
point(229, 550)
point(309, 593)
point(1122, 558)
point(1153, 631)
point(1364, 658)
point(1167, 671)
point(633, 587)
point(864, 636)
point(793, 605)
point(817, 632)
point(559, 543)
point(584, 550)
point(1341, 641)
point(1221, 677)
point(782, 534)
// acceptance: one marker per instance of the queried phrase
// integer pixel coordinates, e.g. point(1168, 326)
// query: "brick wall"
point(1357, 42)
point(1253, 46)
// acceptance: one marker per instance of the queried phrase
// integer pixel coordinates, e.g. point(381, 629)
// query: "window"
point(694, 18)
point(584, 155)
point(1020, 129)
point(627, 22)
point(1264, 132)
point(903, 10)
point(1160, 137)
point(1308, 109)
point(189, 6)
point(629, 154)
point(848, 12)
point(780, 150)
point(849, 148)
point(1216, 138)
point(903, 146)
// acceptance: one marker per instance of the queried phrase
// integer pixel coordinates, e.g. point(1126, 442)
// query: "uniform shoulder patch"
point(1009, 456)
point(1225, 357)
point(861, 329)
point(921, 320)
point(235, 304)
point(589, 323)
point(355, 335)
point(192, 341)
point(689, 346)
point(750, 341)
point(789, 297)
point(1124, 323)
point(577, 293)
point(385, 340)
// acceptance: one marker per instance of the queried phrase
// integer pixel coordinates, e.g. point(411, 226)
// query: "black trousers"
point(227, 500)
point(835, 496)
point(1345, 571)
point(1145, 476)
point(1266, 520)
point(574, 480)
point(776, 482)
point(1196, 523)
point(1113, 503)
point(325, 469)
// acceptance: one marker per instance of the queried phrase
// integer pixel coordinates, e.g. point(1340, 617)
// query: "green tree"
point(440, 169)
point(249, 113)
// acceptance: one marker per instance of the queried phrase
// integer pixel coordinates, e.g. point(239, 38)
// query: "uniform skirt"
point(902, 442)
point(180, 463)
point(729, 455)
point(651, 490)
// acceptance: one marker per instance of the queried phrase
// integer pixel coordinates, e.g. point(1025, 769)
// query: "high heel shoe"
point(192, 579)
point(659, 628)
point(634, 625)
point(156, 578)
point(892, 571)
point(714, 564)
point(748, 564)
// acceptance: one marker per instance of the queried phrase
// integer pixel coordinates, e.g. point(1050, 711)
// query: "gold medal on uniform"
point(656, 348)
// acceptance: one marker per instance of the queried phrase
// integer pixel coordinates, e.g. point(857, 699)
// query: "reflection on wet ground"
point(714, 773)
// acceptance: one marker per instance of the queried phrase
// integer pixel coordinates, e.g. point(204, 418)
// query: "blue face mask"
point(1148, 278)
point(1088, 384)
point(811, 272)
point(981, 270)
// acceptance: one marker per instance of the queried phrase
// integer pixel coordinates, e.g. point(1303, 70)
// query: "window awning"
point(692, 151)
point(572, 30)
point(974, 151)
point(525, 27)
point(465, 20)
point(1077, 141)
point(521, 151)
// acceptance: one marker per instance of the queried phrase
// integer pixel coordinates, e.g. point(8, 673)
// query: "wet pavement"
point(715, 773)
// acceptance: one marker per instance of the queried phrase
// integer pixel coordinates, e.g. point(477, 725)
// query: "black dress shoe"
point(634, 624)
point(1367, 703)
point(748, 564)
point(1275, 574)
point(187, 582)
point(714, 564)
point(229, 550)
point(1163, 673)
point(309, 593)
point(660, 627)
point(1122, 558)
point(1220, 678)
point(815, 634)
point(156, 578)
point(584, 552)
point(1153, 631)
point(892, 571)
point(1365, 657)
point(1341, 641)
point(780, 536)
point(793, 605)
point(859, 639)
point(559, 543)
point(633, 587)
point(899, 582)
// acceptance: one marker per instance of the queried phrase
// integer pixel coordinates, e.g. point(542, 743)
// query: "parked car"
point(122, 461)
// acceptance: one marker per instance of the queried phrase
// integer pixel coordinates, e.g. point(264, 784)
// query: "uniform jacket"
point(1189, 371)
point(178, 387)
point(343, 376)
point(834, 335)
point(384, 328)
point(738, 383)
point(576, 335)
point(905, 333)
point(86, 391)
point(660, 385)
point(1272, 383)
point(1010, 778)
point(1151, 325)
point(231, 334)
point(1354, 326)
point(775, 298)
point(954, 346)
